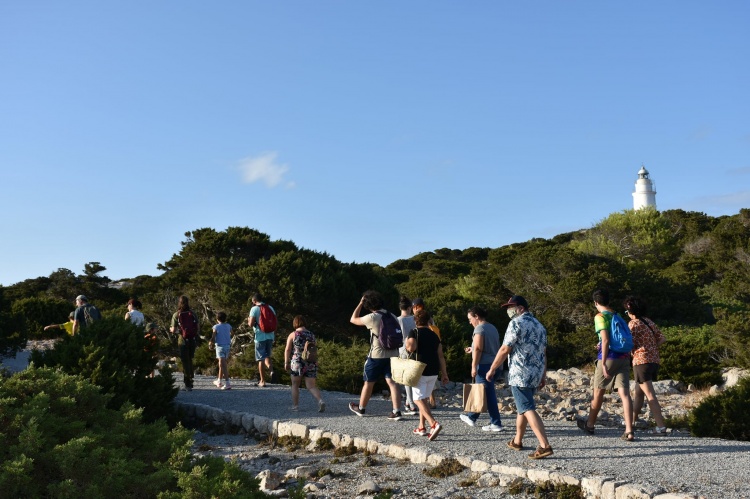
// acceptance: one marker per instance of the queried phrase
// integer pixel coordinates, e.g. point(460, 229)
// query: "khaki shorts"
point(619, 372)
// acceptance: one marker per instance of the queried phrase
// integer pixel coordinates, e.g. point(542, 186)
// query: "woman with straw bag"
point(426, 344)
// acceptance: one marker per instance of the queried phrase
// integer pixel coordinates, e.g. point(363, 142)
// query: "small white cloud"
point(266, 169)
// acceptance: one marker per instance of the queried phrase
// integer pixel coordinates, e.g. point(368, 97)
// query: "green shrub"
point(340, 366)
point(690, 355)
point(112, 353)
point(32, 314)
point(724, 415)
point(58, 439)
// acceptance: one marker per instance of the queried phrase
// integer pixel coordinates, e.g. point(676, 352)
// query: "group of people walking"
point(524, 347)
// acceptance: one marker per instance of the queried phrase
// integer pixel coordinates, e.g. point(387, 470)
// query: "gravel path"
point(676, 463)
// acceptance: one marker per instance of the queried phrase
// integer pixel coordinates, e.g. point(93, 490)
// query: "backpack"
point(188, 324)
point(310, 352)
point(620, 338)
point(267, 321)
point(390, 336)
point(91, 314)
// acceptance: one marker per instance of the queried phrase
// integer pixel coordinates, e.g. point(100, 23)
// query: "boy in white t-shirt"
point(222, 340)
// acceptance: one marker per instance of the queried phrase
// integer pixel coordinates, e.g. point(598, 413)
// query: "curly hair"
point(372, 300)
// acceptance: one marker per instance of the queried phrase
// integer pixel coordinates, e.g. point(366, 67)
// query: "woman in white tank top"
point(134, 315)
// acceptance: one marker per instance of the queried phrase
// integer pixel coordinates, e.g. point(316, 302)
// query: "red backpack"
point(188, 324)
point(267, 321)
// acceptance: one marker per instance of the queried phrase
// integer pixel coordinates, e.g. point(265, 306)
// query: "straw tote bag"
point(475, 399)
point(407, 371)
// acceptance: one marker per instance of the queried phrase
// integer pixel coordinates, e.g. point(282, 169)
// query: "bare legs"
point(532, 419)
point(223, 370)
point(647, 389)
point(367, 388)
point(424, 413)
point(267, 361)
point(627, 407)
point(311, 386)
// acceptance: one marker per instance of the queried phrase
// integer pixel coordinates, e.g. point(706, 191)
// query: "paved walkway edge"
point(592, 487)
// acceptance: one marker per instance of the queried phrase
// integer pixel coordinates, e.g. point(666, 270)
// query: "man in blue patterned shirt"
point(525, 345)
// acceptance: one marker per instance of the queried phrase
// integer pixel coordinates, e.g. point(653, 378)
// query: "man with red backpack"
point(185, 323)
point(262, 319)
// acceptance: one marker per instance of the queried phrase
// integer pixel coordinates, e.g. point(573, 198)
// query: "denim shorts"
point(524, 398)
point(222, 351)
point(263, 349)
point(376, 369)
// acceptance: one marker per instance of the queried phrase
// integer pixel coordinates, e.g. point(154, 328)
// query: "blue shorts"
point(524, 398)
point(222, 351)
point(376, 369)
point(263, 349)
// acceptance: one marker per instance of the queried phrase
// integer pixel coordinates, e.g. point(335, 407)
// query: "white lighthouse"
point(644, 195)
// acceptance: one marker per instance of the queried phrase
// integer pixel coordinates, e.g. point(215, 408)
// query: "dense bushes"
point(113, 354)
point(724, 415)
point(59, 440)
point(690, 355)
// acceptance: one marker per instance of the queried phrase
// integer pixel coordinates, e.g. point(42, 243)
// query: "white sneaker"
point(466, 419)
point(492, 427)
point(226, 387)
point(217, 382)
point(321, 406)
point(408, 411)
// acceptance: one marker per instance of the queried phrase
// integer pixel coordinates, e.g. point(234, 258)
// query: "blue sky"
point(372, 131)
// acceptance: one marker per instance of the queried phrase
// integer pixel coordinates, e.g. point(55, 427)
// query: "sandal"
point(513, 445)
point(541, 452)
point(588, 429)
point(628, 436)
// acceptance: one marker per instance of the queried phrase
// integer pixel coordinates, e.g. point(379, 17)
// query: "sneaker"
point(492, 427)
point(189, 388)
point(582, 424)
point(295, 408)
point(409, 411)
point(659, 430)
point(395, 416)
point(434, 430)
point(226, 387)
point(217, 382)
point(466, 419)
point(541, 453)
point(354, 407)
point(322, 406)
point(420, 431)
